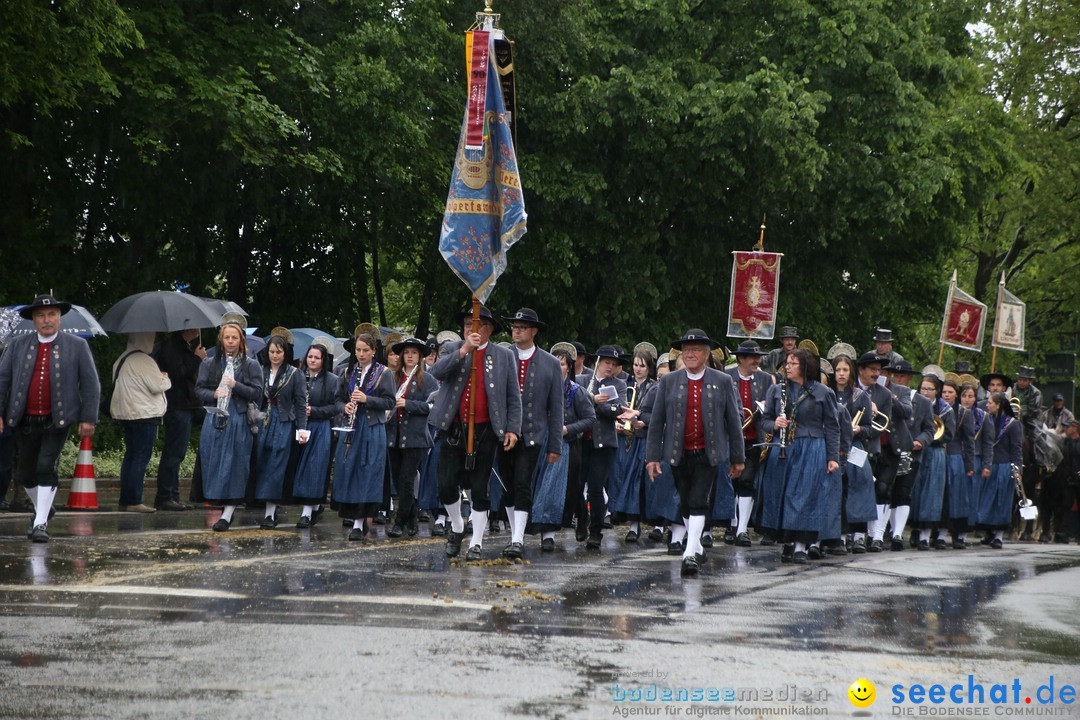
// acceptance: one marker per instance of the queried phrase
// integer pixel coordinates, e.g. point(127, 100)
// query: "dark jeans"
point(694, 479)
point(595, 466)
point(139, 437)
point(38, 444)
point(178, 425)
point(517, 468)
point(7, 455)
point(404, 464)
point(452, 472)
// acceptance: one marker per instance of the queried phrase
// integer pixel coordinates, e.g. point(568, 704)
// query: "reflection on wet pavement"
point(169, 567)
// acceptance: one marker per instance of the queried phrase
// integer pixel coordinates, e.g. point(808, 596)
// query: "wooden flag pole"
point(940, 353)
point(470, 453)
point(993, 360)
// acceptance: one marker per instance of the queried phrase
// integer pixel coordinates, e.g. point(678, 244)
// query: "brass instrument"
point(810, 347)
point(626, 427)
point(939, 427)
point(1017, 405)
point(749, 415)
point(855, 420)
point(880, 421)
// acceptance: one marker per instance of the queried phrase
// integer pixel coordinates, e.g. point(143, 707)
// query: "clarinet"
point(784, 412)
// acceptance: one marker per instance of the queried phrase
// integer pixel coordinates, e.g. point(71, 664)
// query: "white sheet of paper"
point(609, 391)
point(857, 457)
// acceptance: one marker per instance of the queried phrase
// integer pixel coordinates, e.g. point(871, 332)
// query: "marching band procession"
point(819, 455)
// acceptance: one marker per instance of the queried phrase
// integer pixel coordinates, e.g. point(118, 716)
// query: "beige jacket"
point(139, 392)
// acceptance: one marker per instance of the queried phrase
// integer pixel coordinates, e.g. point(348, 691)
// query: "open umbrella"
point(224, 306)
point(159, 311)
point(303, 337)
point(76, 321)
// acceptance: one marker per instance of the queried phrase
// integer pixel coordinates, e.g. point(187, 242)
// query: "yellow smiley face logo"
point(862, 693)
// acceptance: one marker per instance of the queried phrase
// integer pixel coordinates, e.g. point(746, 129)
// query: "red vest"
point(480, 406)
point(694, 437)
point(747, 396)
point(39, 396)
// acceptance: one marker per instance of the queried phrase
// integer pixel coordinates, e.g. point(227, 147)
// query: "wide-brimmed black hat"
point(901, 366)
point(413, 342)
point(485, 314)
point(985, 380)
point(609, 351)
point(789, 331)
point(1026, 371)
point(883, 335)
point(1058, 397)
point(695, 336)
point(869, 358)
point(749, 347)
point(963, 367)
point(528, 316)
point(44, 301)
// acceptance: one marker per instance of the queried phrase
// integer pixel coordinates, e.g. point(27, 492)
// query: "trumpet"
point(855, 420)
point(880, 421)
point(939, 427)
point(1017, 405)
point(748, 416)
point(626, 427)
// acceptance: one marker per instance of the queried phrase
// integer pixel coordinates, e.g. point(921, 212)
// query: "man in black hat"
point(789, 340)
point(494, 404)
point(909, 436)
point(1058, 417)
point(695, 426)
point(608, 394)
point(884, 458)
point(751, 384)
point(883, 346)
point(539, 377)
point(992, 383)
point(1031, 409)
point(48, 384)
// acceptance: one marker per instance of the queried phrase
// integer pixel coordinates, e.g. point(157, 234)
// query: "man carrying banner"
point(751, 386)
point(695, 427)
point(496, 416)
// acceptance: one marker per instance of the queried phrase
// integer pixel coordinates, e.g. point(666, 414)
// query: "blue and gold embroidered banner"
point(485, 213)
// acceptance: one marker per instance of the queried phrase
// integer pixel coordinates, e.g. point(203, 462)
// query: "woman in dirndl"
point(285, 404)
point(983, 449)
point(802, 411)
point(999, 486)
point(928, 492)
point(627, 491)
point(360, 462)
point(227, 383)
point(859, 501)
point(313, 464)
point(959, 466)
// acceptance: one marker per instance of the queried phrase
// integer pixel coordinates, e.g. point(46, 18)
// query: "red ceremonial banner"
point(755, 279)
point(964, 321)
point(477, 48)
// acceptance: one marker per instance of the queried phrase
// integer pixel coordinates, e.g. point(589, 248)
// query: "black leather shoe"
point(767, 540)
point(170, 506)
point(923, 545)
point(814, 553)
point(221, 525)
point(593, 543)
point(995, 544)
point(453, 543)
point(706, 540)
point(675, 548)
point(424, 516)
point(315, 515)
point(514, 551)
point(743, 540)
point(914, 540)
point(835, 550)
point(729, 536)
point(438, 530)
point(787, 553)
point(494, 527)
point(395, 531)
point(379, 519)
point(581, 532)
point(858, 547)
point(799, 558)
point(876, 546)
point(987, 539)
point(547, 545)
point(631, 536)
point(39, 534)
point(689, 567)
point(413, 528)
point(656, 535)
point(607, 523)
point(474, 554)
point(897, 543)
point(701, 558)
point(958, 544)
point(357, 534)
point(268, 523)
point(940, 544)
point(303, 523)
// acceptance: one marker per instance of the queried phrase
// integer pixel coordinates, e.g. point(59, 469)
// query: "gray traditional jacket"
point(499, 376)
point(541, 401)
point(720, 414)
point(411, 431)
point(74, 386)
point(603, 430)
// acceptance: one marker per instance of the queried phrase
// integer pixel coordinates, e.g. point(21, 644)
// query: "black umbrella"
point(160, 311)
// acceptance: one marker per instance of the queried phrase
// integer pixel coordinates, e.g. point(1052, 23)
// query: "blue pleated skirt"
point(861, 503)
point(975, 490)
point(807, 486)
point(928, 492)
point(273, 445)
point(313, 463)
point(624, 493)
point(770, 489)
point(996, 498)
point(225, 455)
point(549, 488)
point(428, 494)
point(959, 487)
point(833, 489)
point(360, 467)
point(661, 497)
point(723, 506)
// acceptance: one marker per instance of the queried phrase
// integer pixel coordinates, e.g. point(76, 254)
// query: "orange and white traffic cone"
point(83, 495)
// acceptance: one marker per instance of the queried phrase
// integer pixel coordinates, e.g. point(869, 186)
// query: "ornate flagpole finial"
point(761, 238)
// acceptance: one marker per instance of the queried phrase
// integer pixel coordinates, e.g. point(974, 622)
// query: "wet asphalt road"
point(124, 615)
